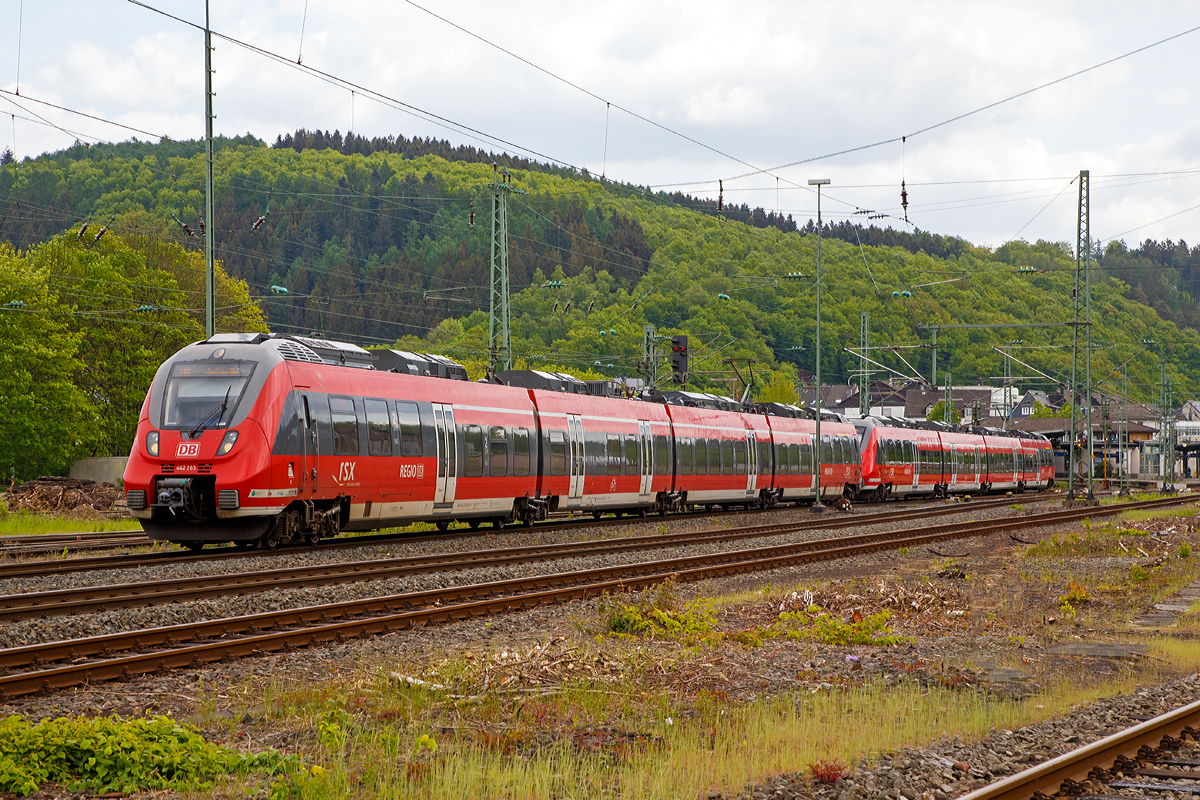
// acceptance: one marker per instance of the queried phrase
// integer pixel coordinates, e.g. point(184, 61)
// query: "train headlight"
point(227, 442)
point(152, 443)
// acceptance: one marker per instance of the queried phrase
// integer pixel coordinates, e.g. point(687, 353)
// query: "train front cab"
point(899, 462)
point(200, 469)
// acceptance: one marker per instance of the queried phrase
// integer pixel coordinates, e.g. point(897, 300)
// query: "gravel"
point(69, 627)
point(59, 628)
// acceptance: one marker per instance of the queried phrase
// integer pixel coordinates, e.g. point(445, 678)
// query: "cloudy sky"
point(762, 84)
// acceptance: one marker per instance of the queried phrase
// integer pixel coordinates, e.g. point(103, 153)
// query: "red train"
point(269, 439)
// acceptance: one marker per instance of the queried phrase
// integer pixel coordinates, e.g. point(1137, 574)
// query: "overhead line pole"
point(210, 302)
point(864, 394)
point(499, 318)
point(818, 506)
point(1083, 250)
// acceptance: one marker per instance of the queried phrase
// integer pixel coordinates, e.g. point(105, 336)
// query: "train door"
point(447, 454)
point(952, 466)
point(978, 477)
point(752, 464)
point(576, 460)
point(310, 450)
point(914, 461)
point(646, 449)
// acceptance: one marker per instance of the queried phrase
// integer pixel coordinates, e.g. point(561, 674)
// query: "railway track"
point(33, 605)
point(22, 569)
point(1143, 758)
point(50, 666)
point(72, 542)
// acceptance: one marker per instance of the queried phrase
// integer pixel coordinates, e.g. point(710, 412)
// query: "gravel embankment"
point(59, 628)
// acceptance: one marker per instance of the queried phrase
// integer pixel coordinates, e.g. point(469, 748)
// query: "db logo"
point(188, 450)
point(412, 470)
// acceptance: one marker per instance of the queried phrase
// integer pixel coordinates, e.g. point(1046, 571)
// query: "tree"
point(938, 413)
point(131, 300)
point(1041, 412)
point(780, 389)
point(7, 157)
point(47, 421)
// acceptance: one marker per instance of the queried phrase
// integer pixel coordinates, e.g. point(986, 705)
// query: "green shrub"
point(1185, 550)
point(109, 754)
point(816, 625)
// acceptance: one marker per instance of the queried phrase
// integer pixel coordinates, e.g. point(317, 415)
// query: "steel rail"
point(439, 606)
point(59, 602)
point(23, 569)
point(1076, 765)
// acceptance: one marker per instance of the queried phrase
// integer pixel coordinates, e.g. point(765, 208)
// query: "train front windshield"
point(204, 393)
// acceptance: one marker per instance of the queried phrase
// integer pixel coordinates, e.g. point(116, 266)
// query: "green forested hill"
point(375, 245)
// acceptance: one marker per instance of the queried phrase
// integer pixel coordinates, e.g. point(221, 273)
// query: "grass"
point(1141, 515)
point(390, 740)
point(27, 524)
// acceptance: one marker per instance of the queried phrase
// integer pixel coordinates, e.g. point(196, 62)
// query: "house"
point(973, 402)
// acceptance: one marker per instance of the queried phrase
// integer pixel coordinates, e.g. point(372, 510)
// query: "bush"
point(110, 754)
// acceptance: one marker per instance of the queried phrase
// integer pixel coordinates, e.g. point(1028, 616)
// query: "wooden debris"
point(62, 494)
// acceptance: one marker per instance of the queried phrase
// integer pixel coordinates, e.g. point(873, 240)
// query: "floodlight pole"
point(210, 303)
point(818, 506)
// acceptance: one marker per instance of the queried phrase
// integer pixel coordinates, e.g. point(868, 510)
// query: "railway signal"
point(679, 358)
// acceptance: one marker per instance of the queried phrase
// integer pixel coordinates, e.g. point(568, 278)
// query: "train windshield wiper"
point(219, 411)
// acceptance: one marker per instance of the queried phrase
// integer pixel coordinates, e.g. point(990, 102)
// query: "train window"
point(345, 426)
point(726, 457)
point(714, 457)
point(558, 453)
point(685, 456)
point(520, 451)
point(441, 442)
point(379, 428)
point(781, 451)
point(881, 452)
point(826, 450)
point(806, 458)
point(739, 454)
point(472, 451)
point(614, 454)
point(701, 456)
point(631, 455)
point(764, 458)
point(794, 459)
point(412, 440)
point(498, 451)
point(662, 456)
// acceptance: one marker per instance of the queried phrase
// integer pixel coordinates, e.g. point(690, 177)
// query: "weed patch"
point(110, 754)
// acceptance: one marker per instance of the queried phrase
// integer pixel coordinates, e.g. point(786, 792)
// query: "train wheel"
point(498, 523)
point(473, 523)
point(597, 515)
point(641, 512)
point(312, 539)
point(195, 547)
point(269, 541)
point(443, 525)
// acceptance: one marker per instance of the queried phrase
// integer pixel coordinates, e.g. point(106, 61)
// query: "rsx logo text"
point(346, 472)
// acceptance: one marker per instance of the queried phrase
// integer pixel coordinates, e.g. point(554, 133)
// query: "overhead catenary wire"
point(959, 117)
point(367, 92)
